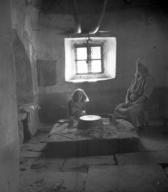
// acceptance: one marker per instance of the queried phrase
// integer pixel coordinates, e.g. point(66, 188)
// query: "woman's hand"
point(133, 97)
point(126, 105)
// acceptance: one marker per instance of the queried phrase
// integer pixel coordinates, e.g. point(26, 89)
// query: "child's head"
point(79, 95)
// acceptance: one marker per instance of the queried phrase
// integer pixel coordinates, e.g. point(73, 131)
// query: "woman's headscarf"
point(141, 69)
point(140, 75)
point(79, 95)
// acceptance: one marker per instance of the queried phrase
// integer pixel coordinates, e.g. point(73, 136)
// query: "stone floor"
point(143, 171)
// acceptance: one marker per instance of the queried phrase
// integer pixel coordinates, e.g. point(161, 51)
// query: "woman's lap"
point(130, 113)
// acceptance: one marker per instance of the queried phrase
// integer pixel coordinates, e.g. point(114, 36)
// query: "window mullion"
point(89, 58)
point(76, 67)
point(102, 60)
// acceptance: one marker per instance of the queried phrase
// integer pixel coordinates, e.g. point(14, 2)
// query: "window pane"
point(82, 67)
point(81, 53)
point(96, 66)
point(96, 52)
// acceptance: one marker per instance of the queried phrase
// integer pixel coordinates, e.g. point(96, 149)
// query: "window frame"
point(108, 58)
point(88, 47)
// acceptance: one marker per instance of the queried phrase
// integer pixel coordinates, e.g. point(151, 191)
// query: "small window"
point(90, 59)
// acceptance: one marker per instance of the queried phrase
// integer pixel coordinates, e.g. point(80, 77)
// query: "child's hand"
point(83, 112)
point(87, 99)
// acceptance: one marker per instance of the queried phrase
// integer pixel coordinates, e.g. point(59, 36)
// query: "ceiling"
point(93, 6)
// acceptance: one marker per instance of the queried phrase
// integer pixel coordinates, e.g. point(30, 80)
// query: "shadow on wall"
point(24, 84)
point(157, 104)
point(104, 101)
point(53, 107)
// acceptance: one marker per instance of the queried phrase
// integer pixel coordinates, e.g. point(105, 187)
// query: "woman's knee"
point(120, 106)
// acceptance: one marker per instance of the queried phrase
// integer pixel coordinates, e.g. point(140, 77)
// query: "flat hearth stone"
point(109, 139)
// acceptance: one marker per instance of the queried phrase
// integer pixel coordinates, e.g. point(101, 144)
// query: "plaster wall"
point(24, 85)
point(9, 144)
point(140, 32)
point(24, 21)
point(24, 18)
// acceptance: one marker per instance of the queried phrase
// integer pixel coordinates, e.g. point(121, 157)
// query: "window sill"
point(89, 78)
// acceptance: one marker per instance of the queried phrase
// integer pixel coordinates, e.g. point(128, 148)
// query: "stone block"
point(134, 158)
point(86, 162)
point(127, 178)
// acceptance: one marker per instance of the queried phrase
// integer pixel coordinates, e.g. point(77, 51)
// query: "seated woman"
point(77, 104)
point(137, 95)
